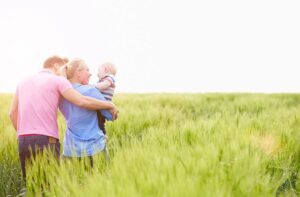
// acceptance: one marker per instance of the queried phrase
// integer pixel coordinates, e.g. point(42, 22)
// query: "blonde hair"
point(109, 67)
point(73, 66)
point(51, 61)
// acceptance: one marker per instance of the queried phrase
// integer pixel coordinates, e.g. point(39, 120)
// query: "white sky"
point(159, 45)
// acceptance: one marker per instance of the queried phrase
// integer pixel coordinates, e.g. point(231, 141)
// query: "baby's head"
point(106, 69)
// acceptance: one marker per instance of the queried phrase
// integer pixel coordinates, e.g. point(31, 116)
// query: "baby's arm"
point(103, 85)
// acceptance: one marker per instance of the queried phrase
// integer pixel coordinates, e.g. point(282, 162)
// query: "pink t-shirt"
point(39, 97)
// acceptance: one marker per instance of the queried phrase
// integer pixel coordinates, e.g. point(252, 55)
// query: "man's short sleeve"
point(63, 84)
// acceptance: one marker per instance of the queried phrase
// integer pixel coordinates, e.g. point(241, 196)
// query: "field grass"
point(175, 145)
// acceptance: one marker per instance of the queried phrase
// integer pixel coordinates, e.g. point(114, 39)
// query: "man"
point(34, 109)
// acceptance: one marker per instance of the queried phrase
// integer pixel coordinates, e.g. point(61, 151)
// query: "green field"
point(176, 145)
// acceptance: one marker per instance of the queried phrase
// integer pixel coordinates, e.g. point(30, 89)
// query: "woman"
point(83, 137)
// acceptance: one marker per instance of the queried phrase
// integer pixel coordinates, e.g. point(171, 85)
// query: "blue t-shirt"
point(83, 136)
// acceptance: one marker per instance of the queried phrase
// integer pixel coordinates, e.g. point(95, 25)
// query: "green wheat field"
point(174, 145)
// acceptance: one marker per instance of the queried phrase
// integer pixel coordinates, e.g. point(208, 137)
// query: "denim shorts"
point(104, 153)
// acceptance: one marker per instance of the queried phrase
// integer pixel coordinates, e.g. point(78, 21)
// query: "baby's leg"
point(101, 122)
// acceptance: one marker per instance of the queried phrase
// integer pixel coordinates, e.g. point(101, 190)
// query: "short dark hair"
point(50, 61)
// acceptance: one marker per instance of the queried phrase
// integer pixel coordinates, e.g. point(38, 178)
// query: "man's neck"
point(49, 70)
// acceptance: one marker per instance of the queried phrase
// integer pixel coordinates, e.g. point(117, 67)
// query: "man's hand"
point(13, 113)
point(114, 111)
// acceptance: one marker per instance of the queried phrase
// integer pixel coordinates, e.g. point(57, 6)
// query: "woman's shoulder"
point(87, 89)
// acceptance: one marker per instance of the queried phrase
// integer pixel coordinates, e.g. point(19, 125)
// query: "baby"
point(106, 85)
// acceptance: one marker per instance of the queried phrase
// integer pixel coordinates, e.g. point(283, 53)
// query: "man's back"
point(39, 96)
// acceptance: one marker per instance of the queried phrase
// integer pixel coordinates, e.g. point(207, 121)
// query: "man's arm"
point(87, 102)
point(107, 114)
point(13, 113)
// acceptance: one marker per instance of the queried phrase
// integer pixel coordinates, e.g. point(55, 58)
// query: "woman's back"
point(83, 136)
